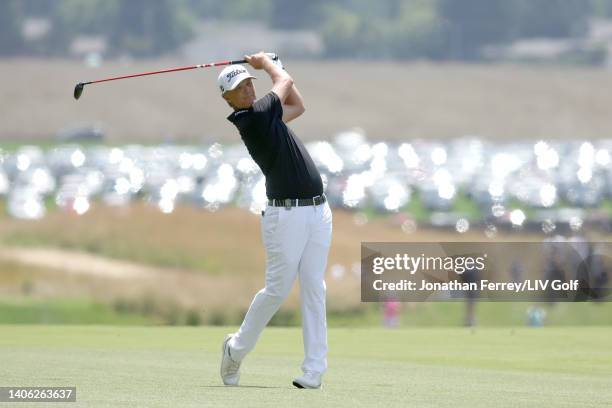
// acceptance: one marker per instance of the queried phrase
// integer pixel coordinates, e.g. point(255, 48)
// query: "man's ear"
point(227, 100)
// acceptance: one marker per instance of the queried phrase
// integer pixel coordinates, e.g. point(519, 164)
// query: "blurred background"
point(430, 120)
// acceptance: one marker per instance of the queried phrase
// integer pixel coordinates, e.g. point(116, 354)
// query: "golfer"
point(296, 224)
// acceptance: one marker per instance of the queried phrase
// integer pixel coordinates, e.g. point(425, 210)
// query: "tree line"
point(394, 29)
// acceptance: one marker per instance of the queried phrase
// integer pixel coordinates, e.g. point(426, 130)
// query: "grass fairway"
point(162, 367)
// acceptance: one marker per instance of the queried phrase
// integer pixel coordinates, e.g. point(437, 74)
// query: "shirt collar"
point(235, 114)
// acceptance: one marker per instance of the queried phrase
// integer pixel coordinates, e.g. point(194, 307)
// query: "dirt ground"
point(68, 255)
point(390, 101)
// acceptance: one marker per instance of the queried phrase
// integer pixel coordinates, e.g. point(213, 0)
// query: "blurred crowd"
point(544, 185)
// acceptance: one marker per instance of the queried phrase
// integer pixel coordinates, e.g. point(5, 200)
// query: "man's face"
point(241, 97)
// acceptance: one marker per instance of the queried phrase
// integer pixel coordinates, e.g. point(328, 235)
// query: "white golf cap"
point(231, 76)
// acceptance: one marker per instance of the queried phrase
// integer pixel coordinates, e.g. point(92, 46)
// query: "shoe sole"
point(301, 387)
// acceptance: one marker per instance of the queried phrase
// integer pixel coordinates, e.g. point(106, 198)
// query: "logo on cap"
point(234, 73)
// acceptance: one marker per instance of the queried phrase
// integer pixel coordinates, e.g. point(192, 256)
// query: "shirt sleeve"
point(269, 107)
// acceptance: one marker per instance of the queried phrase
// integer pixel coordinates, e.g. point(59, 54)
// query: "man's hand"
point(281, 80)
point(282, 84)
point(258, 60)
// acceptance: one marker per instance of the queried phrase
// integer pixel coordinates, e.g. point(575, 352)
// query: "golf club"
point(78, 89)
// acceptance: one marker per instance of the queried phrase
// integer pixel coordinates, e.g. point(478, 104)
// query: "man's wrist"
point(273, 70)
point(268, 64)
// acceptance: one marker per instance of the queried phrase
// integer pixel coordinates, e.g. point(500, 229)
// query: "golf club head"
point(78, 90)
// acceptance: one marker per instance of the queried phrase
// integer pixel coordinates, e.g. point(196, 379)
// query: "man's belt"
point(297, 202)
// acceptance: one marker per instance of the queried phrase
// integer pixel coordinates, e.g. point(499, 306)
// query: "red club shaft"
point(78, 89)
point(213, 64)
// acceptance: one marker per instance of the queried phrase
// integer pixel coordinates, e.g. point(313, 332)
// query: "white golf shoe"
point(310, 380)
point(230, 369)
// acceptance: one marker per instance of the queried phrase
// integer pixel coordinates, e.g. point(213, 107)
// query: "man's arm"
point(281, 80)
point(282, 85)
point(293, 106)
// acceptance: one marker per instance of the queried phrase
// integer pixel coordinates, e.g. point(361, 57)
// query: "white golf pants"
point(297, 242)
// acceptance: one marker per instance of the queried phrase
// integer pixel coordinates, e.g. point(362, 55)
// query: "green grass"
point(488, 314)
point(3, 213)
point(13, 145)
point(70, 311)
point(416, 209)
point(607, 206)
point(466, 206)
point(151, 311)
point(161, 367)
point(495, 314)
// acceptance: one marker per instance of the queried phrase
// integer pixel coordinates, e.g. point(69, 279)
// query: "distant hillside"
point(388, 100)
